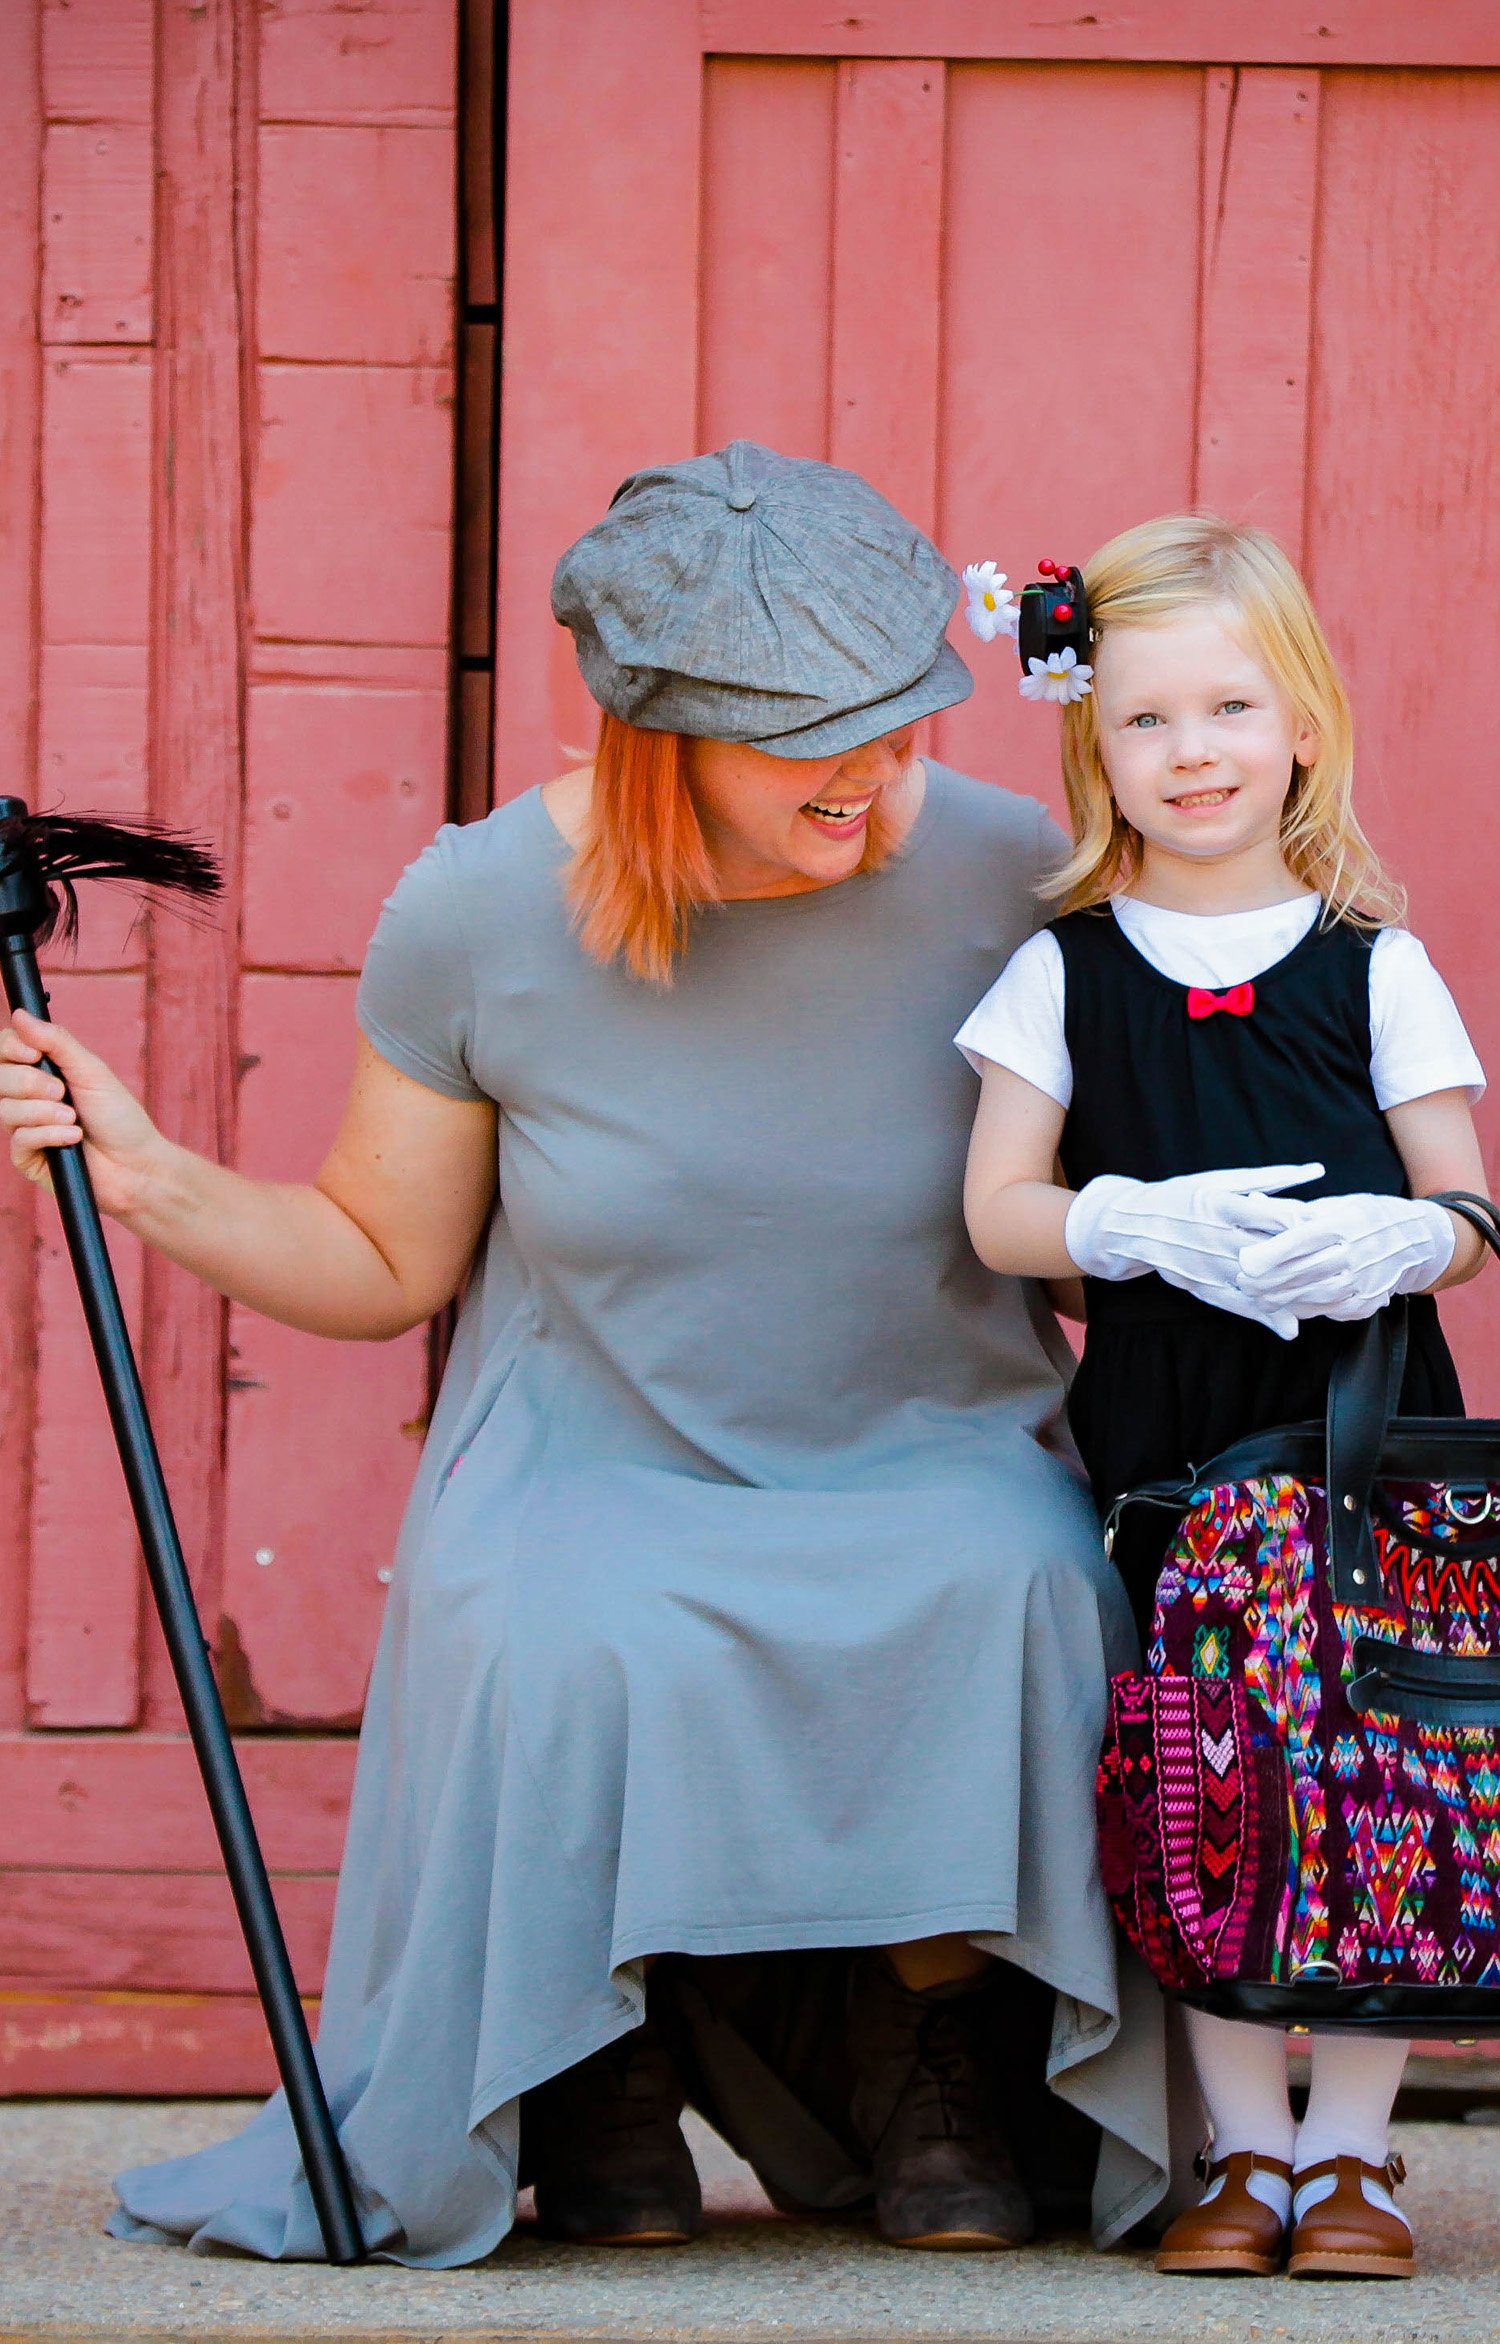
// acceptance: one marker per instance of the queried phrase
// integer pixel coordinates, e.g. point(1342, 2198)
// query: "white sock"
point(1354, 2085)
point(1241, 2073)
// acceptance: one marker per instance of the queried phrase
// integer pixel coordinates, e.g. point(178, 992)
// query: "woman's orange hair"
point(644, 863)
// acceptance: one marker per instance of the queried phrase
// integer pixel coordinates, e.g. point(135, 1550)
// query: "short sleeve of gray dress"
point(416, 992)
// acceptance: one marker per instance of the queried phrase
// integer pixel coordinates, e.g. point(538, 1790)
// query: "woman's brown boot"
point(1230, 2233)
point(604, 2148)
point(943, 2172)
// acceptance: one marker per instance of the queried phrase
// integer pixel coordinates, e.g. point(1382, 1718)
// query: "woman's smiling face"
point(1198, 740)
point(783, 825)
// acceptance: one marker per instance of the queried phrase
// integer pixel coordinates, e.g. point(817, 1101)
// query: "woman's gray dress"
point(747, 1598)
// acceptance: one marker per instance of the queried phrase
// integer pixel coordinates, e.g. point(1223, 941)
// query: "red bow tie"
point(1239, 1001)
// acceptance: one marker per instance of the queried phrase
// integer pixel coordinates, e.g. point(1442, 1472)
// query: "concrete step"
point(754, 2279)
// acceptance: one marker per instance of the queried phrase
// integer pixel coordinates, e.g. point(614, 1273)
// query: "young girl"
point(1227, 988)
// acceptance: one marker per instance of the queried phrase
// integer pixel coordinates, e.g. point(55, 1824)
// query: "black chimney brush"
point(43, 859)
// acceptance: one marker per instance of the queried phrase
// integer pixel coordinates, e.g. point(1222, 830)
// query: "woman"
point(746, 1613)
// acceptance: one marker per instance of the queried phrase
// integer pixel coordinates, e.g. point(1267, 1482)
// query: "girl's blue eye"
point(1235, 707)
point(1142, 722)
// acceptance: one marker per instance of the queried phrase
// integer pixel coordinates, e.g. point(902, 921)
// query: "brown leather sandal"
point(1343, 2236)
point(1232, 2234)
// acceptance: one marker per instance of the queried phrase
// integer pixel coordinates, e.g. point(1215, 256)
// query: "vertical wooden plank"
point(96, 496)
point(768, 180)
point(1260, 178)
point(358, 61)
point(83, 1623)
point(318, 1483)
point(1403, 556)
point(474, 745)
point(477, 158)
point(601, 262)
point(352, 561)
point(20, 490)
point(887, 272)
point(346, 781)
point(1063, 418)
point(197, 705)
point(474, 582)
point(351, 530)
point(97, 59)
point(97, 206)
point(355, 244)
point(83, 1642)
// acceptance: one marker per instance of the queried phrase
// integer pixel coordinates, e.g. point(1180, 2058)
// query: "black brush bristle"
point(144, 855)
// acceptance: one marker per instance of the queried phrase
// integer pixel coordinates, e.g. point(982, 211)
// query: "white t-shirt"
point(1418, 1040)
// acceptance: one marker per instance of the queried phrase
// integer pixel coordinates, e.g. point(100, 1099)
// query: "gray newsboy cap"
point(747, 596)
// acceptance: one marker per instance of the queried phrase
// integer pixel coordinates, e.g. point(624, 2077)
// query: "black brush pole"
point(322, 2157)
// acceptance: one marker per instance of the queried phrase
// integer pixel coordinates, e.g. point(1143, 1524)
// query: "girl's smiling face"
point(1198, 742)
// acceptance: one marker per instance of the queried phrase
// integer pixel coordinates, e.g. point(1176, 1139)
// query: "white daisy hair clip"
point(1049, 623)
point(991, 609)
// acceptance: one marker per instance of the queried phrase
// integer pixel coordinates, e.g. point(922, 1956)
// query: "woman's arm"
point(377, 1243)
point(1014, 1210)
point(1439, 1148)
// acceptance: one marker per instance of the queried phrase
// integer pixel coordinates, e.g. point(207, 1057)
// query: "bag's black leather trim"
point(1362, 1394)
point(1432, 1688)
point(1432, 2012)
point(1416, 1448)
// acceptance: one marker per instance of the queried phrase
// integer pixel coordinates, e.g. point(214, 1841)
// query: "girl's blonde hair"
point(1153, 573)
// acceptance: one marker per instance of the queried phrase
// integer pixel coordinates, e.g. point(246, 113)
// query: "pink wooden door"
point(1041, 274)
point(226, 295)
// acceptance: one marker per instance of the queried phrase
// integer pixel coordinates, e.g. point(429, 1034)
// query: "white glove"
point(1182, 1228)
point(1343, 1257)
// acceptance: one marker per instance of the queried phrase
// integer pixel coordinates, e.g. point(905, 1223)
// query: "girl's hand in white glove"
point(1343, 1257)
point(1191, 1230)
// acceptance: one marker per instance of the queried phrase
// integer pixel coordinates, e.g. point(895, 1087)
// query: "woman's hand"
point(376, 1244)
point(121, 1143)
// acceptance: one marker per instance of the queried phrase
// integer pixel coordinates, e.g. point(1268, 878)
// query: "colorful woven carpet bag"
point(1299, 1800)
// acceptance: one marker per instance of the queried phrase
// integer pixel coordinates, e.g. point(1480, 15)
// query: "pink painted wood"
point(328, 289)
point(885, 363)
point(71, 2042)
point(83, 1612)
point(323, 1438)
point(20, 515)
point(104, 1803)
point(378, 61)
point(1406, 371)
point(199, 159)
point(767, 260)
point(1260, 184)
point(97, 58)
point(121, 1929)
point(1331, 33)
point(346, 771)
point(196, 741)
point(353, 505)
point(96, 197)
point(595, 385)
point(1056, 434)
point(96, 472)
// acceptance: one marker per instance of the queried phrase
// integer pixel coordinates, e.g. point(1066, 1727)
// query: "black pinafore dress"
point(1167, 1381)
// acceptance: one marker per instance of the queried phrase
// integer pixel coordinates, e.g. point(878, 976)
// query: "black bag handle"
point(1364, 1392)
